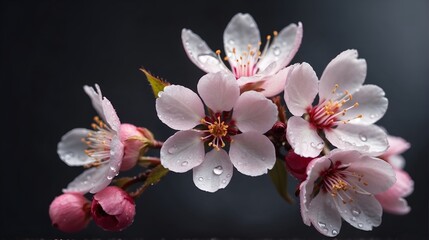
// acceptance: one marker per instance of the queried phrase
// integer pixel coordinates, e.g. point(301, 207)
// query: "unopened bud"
point(297, 165)
point(69, 212)
point(136, 141)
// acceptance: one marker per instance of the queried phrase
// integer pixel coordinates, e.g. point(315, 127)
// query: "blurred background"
point(50, 49)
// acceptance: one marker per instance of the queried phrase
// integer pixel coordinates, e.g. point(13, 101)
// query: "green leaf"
point(155, 175)
point(156, 83)
point(279, 178)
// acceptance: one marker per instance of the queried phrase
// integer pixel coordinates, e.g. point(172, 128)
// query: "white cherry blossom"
point(252, 68)
point(233, 121)
point(346, 110)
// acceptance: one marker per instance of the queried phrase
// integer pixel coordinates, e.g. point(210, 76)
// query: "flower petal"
point(219, 91)
point(215, 172)
point(71, 148)
point(179, 107)
point(397, 145)
point(283, 48)
point(182, 151)
point(347, 71)
point(96, 99)
point(364, 212)
point(116, 156)
point(275, 84)
point(301, 88)
point(90, 180)
point(252, 153)
point(240, 32)
point(324, 216)
point(303, 138)
point(200, 53)
point(372, 105)
point(254, 112)
point(110, 115)
point(370, 139)
point(391, 205)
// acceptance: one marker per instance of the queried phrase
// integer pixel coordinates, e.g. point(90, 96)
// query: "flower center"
point(98, 142)
point(218, 132)
point(330, 112)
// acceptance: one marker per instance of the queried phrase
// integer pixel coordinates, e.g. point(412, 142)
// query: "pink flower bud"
point(135, 141)
point(297, 165)
point(69, 212)
point(113, 209)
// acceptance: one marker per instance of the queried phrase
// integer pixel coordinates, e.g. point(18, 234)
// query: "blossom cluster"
point(325, 135)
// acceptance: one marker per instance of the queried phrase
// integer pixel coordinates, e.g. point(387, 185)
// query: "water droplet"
point(109, 177)
point(200, 179)
point(186, 42)
point(207, 58)
point(320, 145)
point(228, 176)
point(355, 212)
point(353, 219)
point(224, 181)
point(184, 163)
point(276, 51)
point(334, 232)
point(218, 170)
point(360, 225)
point(362, 137)
point(112, 169)
point(172, 150)
point(231, 41)
point(312, 144)
point(372, 116)
point(322, 224)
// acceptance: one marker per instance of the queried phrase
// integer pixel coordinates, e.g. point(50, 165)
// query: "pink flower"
point(113, 209)
point(241, 39)
point(108, 148)
point(233, 120)
point(346, 110)
point(341, 185)
point(69, 212)
point(393, 200)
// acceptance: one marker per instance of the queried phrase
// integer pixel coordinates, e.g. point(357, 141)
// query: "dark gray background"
point(50, 49)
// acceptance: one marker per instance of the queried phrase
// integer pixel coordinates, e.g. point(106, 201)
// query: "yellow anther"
point(218, 52)
point(268, 37)
point(335, 88)
point(275, 33)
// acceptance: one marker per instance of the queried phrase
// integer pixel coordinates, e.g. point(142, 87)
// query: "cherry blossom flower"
point(233, 120)
point(113, 209)
point(252, 68)
point(345, 112)
point(341, 185)
point(393, 200)
point(69, 212)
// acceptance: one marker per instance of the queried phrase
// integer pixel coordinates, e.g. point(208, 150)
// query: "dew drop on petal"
point(186, 43)
point(276, 51)
point(353, 219)
point(231, 41)
point(218, 170)
point(228, 176)
point(363, 137)
point(224, 181)
point(322, 224)
point(313, 145)
point(334, 232)
point(360, 225)
point(320, 145)
point(184, 163)
point(355, 212)
point(109, 177)
point(200, 179)
point(372, 116)
point(172, 150)
point(207, 58)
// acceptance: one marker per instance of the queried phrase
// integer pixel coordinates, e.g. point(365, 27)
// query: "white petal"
point(92, 179)
point(324, 216)
point(303, 138)
point(254, 112)
point(252, 153)
point(347, 71)
point(179, 107)
point(301, 88)
point(219, 91)
point(364, 212)
point(372, 105)
point(215, 172)
point(397, 161)
point(283, 47)
point(71, 149)
point(116, 156)
point(110, 115)
point(96, 99)
point(182, 151)
point(200, 53)
point(275, 84)
point(240, 32)
point(370, 139)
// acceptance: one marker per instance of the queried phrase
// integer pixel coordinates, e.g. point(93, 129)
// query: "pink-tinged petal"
point(303, 138)
point(393, 200)
point(91, 180)
point(215, 172)
point(71, 148)
point(372, 105)
point(219, 91)
point(370, 139)
point(116, 155)
point(200, 53)
point(301, 88)
point(96, 98)
point(364, 212)
point(397, 161)
point(275, 84)
point(110, 115)
point(397, 145)
point(254, 112)
point(182, 151)
point(179, 107)
point(252, 153)
point(239, 33)
point(371, 174)
point(283, 47)
point(324, 215)
point(347, 71)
